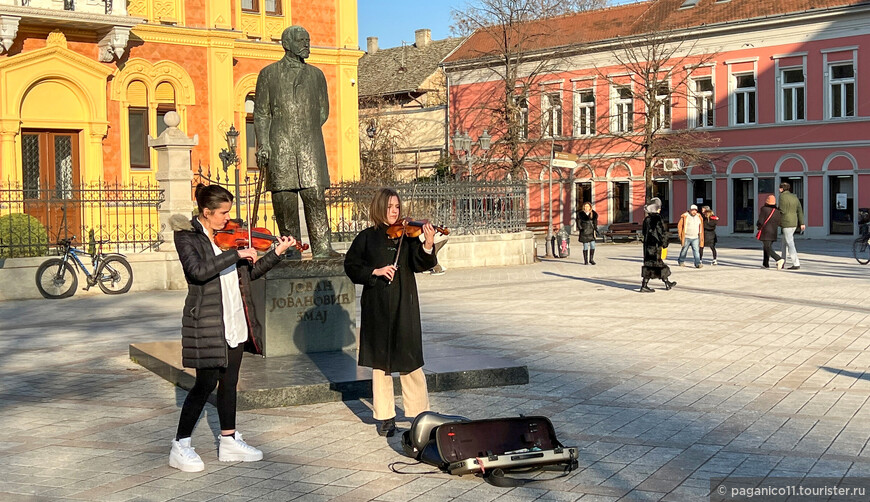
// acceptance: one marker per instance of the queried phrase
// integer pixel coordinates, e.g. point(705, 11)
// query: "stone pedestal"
point(307, 306)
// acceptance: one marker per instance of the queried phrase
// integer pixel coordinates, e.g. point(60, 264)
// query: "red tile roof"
point(634, 19)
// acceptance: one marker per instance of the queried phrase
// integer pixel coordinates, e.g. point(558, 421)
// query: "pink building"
point(781, 86)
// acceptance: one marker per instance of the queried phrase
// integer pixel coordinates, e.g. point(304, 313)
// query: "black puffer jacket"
point(587, 224)
point(203, 340)
point(769, 229)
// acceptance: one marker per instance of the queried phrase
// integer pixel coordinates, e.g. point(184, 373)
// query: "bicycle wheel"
point(115, 276)
point(861, 250)
point(56, 279)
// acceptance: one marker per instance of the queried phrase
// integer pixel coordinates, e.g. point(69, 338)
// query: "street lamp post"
point(462, 142)
point(549, 244)
point(229, 156)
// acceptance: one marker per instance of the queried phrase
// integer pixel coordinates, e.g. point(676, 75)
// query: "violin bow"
point(398, 250)
point(248, 211)
point(262, 170)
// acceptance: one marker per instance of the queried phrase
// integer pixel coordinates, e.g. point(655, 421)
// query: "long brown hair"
point(378, 208)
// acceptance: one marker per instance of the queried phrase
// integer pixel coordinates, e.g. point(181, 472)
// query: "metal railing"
point(124, 215)
point(465, 207)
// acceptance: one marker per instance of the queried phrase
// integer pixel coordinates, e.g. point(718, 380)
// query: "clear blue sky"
point(394, 21)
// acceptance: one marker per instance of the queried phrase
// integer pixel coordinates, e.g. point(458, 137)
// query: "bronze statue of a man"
point(291, 106)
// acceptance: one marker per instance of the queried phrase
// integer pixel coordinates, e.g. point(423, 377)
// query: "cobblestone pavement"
point(737, 371)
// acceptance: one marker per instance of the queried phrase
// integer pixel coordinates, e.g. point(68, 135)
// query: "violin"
point(235, 235)
point(411, 228)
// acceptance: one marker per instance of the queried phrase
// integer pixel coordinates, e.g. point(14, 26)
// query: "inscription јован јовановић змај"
point(308, 294)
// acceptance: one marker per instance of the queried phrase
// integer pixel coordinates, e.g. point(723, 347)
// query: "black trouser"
point(712, 248)
point(769, 252)
point(226, 380)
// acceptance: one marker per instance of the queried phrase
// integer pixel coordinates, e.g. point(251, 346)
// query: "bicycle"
point(57, 278)
point(861, 246)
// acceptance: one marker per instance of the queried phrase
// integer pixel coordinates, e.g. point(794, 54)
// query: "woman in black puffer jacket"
point(216, 327)
point(587, 224)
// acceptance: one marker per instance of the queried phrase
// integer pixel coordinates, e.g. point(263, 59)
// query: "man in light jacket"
point(691, 230)
point(792, 217)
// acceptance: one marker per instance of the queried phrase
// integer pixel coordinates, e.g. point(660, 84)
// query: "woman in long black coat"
point(769, 218)
point(587, 224)
point(390, 335)
point(655, 238)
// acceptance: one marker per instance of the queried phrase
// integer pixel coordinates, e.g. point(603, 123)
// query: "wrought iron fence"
point(34, 217)
point(465, 207)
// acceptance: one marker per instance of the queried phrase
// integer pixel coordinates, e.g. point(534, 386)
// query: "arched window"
point(164, 95)
point(137, 117)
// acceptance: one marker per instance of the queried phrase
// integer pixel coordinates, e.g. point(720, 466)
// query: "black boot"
point(644, 288)
point(592, 256)
point(669, 284)
point(387, 428)
point(585, 257)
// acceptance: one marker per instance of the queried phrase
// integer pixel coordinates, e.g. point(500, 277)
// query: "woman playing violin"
point(216, 327)
point(391, 338)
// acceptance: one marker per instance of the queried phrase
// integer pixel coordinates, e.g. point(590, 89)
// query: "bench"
point(539, 228)
point(623, 230)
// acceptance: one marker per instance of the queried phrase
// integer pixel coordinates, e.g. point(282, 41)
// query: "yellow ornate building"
point(83, 84)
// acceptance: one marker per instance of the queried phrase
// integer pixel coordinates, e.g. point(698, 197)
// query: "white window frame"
point(748, 94)
point(793, 87)
point(522, 99)
point(841, 82)
point(665, 108)
point(708, 100)
point(619, 113)
point(551, 123)
point(584, 113)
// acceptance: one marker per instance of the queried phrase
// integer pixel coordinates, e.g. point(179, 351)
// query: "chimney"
point(372, 44)
point(422, 38)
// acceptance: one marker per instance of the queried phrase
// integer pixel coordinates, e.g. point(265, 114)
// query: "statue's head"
point(296, 41)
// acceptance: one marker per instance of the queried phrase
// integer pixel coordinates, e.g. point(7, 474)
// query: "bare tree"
point(656, 71)
point(508, 37)
point(382, 133)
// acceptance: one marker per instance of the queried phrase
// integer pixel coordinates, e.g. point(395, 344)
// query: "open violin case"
point(489, 448)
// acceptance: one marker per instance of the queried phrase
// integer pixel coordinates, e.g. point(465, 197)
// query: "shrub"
point(22, 235)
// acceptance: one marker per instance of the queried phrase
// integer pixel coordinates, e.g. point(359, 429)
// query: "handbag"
point(758, 234)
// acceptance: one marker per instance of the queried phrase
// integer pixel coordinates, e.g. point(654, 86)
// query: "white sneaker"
point(234, 449)
point(182, 456)
point(780, 264)
point(714, 262)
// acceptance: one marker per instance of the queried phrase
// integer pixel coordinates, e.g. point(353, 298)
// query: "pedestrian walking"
point(655, 244)
point(216, 328)
point(691, 230)
point(390, 334)
point(587, 226)
point(792, 218)
point(769, 220)
point(710, 239)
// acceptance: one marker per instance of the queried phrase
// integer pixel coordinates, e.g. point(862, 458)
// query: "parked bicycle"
point(57, 277)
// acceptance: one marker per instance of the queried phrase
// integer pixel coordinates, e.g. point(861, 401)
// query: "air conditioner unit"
point(672, 164)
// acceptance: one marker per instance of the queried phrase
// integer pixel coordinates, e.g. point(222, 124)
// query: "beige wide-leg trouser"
point(415, 395)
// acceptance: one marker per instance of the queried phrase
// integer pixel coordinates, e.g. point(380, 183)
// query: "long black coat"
point(588, 226)
point(390, 335)
point(290, 108)
point(655, 237)
point(710, 238)
point(203, 340)
point(768, 231)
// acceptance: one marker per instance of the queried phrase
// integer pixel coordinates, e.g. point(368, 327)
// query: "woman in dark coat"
point(655, 238)
point(769, 218)
point(215, 326)
point(710, 239)
point(390, 335)
point(587, 224)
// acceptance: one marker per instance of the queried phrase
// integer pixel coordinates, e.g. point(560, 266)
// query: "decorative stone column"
point(173, 174)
